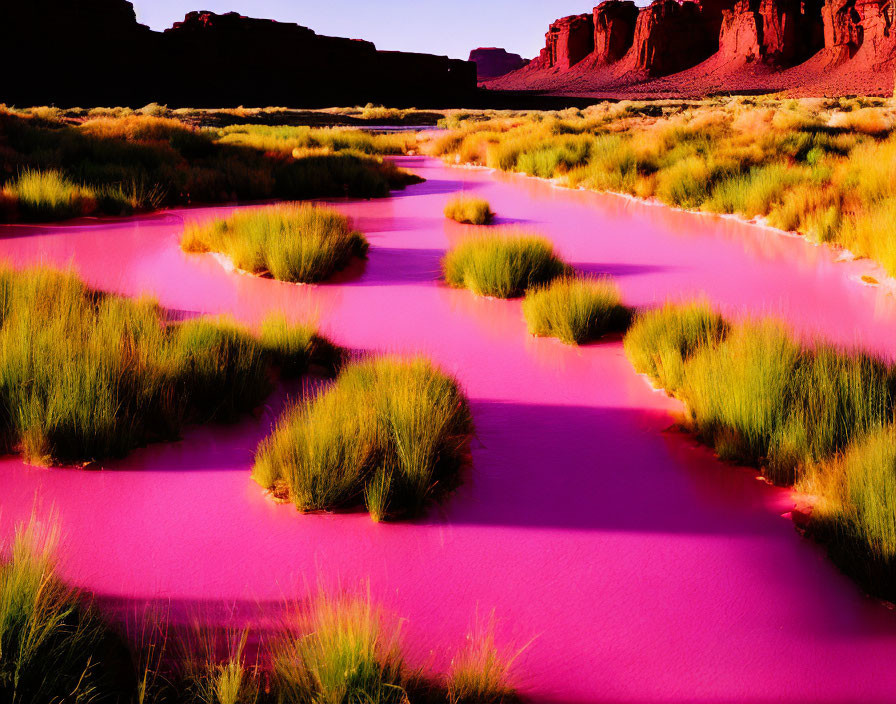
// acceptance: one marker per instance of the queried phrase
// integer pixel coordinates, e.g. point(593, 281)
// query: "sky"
point(450, 27)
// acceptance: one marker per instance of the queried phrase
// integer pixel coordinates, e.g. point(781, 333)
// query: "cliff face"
point(93, 52)
point(707, 40)
point(492, 62)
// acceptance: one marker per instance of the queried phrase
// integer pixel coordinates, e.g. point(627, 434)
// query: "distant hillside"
point(93, 52)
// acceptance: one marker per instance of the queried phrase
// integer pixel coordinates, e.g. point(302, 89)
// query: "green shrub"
point(575, 310)
point(502, 264)
point(474, 211)
point(391, 433)
point(297, 243)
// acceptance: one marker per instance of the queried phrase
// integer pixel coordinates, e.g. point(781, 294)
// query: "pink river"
point(635, 566)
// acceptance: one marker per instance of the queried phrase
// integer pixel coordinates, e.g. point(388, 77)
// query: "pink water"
point(644, 569)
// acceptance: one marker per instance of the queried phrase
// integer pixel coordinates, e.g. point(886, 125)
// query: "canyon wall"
point(93, 52)
point(620, 43)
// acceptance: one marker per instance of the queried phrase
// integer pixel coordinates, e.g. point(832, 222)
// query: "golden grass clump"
point(390, 434)
point(575, 310)
point(503, 264)
point(297, 243)
point(472, 211)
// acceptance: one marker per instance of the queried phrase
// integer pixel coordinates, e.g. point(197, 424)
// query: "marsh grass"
point(479, 673)
point(755, 394)
point(341, 649)
point(823, 168)
point(299, 243)
point(472, 211)
point(48, 195)
point(119, 162)
point(575, 310)
point(86, 376)
point(53, 646)
point(854, 512)
point(812, 415)
point(503, 264)
point(391, 434)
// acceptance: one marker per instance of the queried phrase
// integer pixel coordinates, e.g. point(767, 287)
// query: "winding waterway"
point(640, 568)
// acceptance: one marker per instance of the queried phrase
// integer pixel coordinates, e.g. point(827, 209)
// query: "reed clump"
point(471, 211)
point(503, 264)
point(300, 243)
point(810, 415)
point(86, 376)
point(391, 434)
point(575, 310)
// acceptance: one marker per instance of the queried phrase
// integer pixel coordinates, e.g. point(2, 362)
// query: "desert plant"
point(341, 649)
point(52, 642)
point(479, 672)
point(473, 211)
point(391, 433)
point(502, 264)
point(575, 310)
point(297, 243)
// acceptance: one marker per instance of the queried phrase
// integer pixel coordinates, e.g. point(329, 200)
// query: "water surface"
point(644, 569)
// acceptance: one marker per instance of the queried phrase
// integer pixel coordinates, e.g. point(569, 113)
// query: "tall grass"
point(391, 433)
point(757, 395)
point(332, 649)
point(479, 673)
point(48, 195)
point(473, 211)
point(86, 376)
point(823, 168)
point(343, 650)
point(120, 162)
point(52, 642)
point(575, 310)
point(811, 415)
point(502, 264)
point(297, 243)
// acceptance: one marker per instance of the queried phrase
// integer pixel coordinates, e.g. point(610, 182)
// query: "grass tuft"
point(391, 433)
point(296, 243)
point(575, 310)
point(502, 264)
point(479, 674)
point(342, 650)
point(473, 211)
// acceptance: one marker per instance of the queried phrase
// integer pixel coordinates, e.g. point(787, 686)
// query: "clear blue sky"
point(451, 27)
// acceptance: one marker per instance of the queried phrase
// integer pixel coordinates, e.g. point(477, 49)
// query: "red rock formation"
point(671, 36)
point(614, 29)
point(568, 41)
point(492, 62)
point(852, 27)
point(775, 32)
